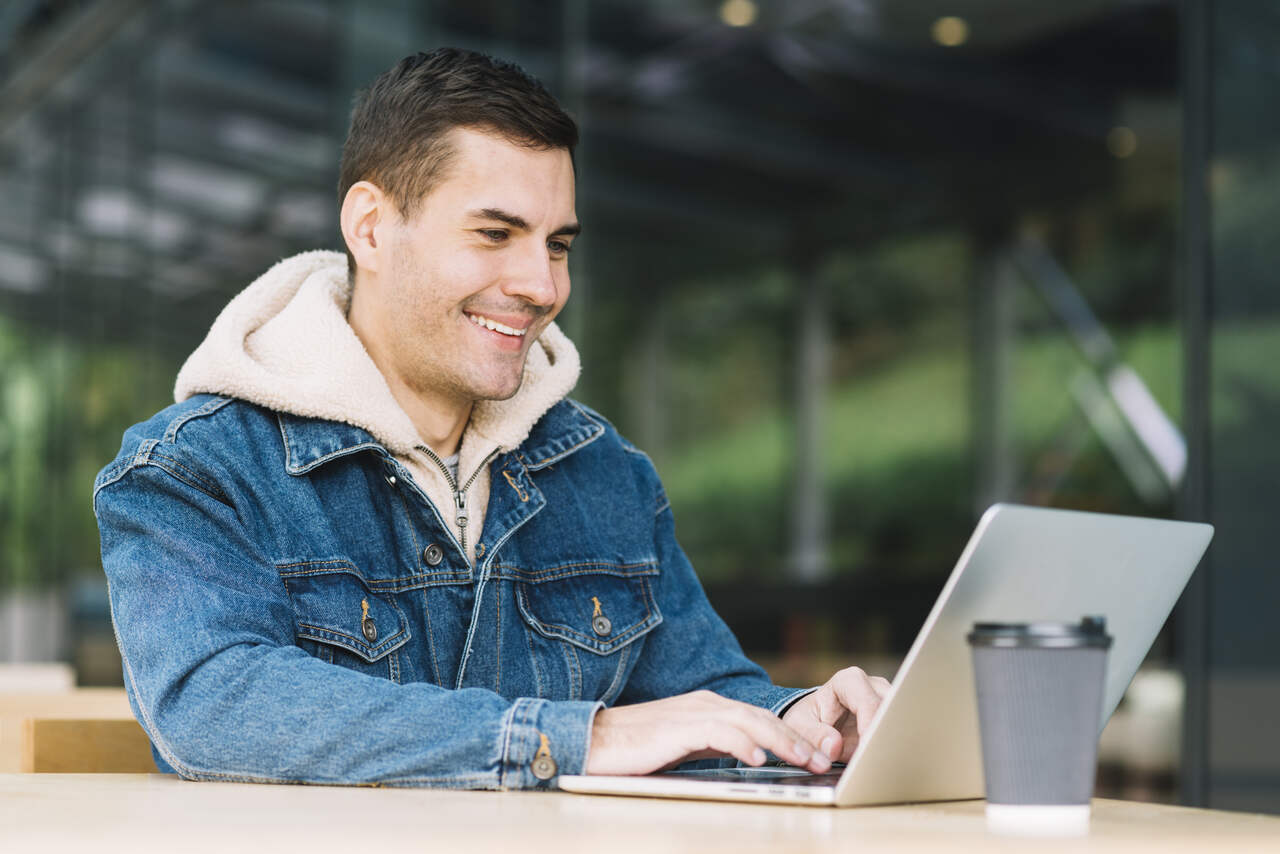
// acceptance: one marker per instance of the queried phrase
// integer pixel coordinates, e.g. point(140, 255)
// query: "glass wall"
point(850, 272)
point(1234, 629)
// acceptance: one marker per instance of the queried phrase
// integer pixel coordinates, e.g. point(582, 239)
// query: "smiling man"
point(375, 541)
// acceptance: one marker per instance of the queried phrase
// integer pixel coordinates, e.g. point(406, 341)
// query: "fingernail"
point(757, 756)
point(804, 751)
point(822, 762)
point(830, 745)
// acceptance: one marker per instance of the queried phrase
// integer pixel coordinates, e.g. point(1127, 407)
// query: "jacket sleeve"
point(206, 634)
point(692, 649)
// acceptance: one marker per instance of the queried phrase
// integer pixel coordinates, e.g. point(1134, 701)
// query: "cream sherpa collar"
point(284, 343)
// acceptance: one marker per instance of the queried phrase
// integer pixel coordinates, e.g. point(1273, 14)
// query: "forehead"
point(484, 170)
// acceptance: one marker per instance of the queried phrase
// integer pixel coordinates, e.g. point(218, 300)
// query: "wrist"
point(784, 707)
point(597, 733)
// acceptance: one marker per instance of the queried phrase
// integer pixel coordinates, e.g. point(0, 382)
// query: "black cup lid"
point(1089, 632)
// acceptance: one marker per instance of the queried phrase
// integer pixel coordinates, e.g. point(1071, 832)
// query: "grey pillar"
point(993, 331)
point(1192, 614)
point(647, 379)
point(809, 559)
point(573, 97)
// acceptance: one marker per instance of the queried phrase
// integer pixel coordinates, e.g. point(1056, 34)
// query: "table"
point(106, 813)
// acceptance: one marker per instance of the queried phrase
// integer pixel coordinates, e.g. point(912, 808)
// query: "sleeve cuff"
point(789, 699)
point(545, 739)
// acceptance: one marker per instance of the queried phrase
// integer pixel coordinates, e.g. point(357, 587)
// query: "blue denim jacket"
point(291, 607)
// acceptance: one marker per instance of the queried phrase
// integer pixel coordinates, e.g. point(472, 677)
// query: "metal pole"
point(993, 325)
point(575, 35)
point(1195, 313)
point(809, 559)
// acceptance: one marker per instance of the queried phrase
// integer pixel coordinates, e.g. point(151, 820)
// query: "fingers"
point(822, 726)
point(834, 716)
point(827, 738)
point(734, 742)
point(828, 706)
point(770, 733)
point(647, 736)
point(825, 725)
point(859, 693)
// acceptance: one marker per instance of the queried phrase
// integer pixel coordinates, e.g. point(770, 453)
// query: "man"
point(374, 541)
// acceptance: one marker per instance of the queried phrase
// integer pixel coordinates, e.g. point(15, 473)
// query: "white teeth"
point(496, 326)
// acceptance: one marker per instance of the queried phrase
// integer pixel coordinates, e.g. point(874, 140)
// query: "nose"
point(536, 278)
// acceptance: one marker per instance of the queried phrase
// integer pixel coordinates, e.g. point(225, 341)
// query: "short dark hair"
point(399, 124)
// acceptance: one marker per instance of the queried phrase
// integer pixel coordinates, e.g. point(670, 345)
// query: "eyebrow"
point(517, 221)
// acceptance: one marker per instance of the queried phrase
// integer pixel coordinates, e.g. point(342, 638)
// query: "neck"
point(440, 422)
point(439, 418)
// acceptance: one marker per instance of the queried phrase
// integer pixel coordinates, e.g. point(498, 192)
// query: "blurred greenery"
point(63, 407)
point(898, 449)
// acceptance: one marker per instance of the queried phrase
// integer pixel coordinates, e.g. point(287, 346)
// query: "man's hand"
point(836, 715)
point(701, 725)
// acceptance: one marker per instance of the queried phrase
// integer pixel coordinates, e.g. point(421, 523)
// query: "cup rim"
point(1089, 632)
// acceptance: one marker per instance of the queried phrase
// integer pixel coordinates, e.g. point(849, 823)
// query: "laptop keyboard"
point(769, 776)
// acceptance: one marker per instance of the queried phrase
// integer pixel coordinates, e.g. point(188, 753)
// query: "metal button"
point(367, 628)
point(544, 768)
point(601, 625)
point(391, 479)
point(543, 765)
point(433, 554)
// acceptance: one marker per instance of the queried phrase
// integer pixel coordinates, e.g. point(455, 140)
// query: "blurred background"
point(852, 271)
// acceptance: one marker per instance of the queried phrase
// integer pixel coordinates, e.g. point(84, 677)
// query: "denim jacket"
point(291, 607)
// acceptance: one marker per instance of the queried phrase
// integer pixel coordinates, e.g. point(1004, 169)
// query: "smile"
point(495, 326)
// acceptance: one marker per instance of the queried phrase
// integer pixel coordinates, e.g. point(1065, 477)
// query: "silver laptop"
point(1022, 564)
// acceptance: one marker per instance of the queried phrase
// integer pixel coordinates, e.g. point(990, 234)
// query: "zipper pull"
point(460, 498)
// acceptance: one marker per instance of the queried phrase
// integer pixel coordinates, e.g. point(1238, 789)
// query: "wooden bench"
point(89, 730)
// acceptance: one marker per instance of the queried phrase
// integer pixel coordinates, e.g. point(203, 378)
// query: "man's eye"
point(558, 247)
point(497, 235)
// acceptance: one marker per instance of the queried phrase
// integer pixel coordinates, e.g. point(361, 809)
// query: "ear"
point(363, 209)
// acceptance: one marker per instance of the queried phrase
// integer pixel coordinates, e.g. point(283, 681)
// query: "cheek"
point(563, 289)
point(464, 274)
point(430, 291)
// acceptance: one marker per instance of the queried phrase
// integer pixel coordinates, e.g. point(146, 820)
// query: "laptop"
point(1022, 564)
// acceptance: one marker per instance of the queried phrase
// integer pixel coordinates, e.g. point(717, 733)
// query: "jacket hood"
point(284, 343)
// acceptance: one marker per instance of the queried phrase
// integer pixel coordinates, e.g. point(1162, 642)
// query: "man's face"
point(478, 272)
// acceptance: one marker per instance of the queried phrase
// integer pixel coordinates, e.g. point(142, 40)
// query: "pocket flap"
point(336, 607)
point(598, 612)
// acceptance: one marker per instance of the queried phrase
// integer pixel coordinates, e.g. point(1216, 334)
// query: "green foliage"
point(898, 458)
point(63, 407)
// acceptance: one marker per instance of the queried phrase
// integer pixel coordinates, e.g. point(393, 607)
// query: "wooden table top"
point(105, 813)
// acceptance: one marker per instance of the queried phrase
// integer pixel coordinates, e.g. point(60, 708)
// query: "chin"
point(506, 395)
point(498, 391)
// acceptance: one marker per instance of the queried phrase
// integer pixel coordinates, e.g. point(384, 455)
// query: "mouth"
point(494, 326)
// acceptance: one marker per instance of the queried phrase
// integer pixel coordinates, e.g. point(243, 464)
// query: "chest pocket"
point(586, 625)
point(338, 619)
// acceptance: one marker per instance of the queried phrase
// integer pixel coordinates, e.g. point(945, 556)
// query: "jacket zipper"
point(459, 493)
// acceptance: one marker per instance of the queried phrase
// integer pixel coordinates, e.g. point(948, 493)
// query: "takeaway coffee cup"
point(1040, 688)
